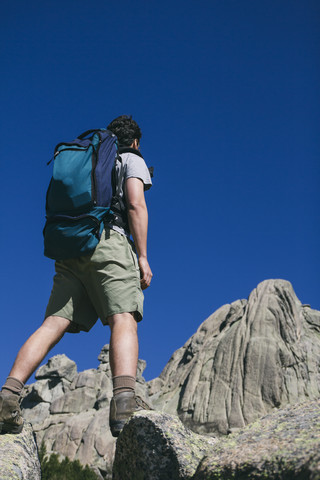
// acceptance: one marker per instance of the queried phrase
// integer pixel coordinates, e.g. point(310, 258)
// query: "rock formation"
point(156, 446)
point(19, 456)
point(244, 360)
point(282, 445)
point(69, 411)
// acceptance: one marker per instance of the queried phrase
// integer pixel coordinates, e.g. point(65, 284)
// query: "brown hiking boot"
point(122, 406)
point(11, 420)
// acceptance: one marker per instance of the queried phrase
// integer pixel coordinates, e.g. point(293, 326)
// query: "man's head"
point(127, 131)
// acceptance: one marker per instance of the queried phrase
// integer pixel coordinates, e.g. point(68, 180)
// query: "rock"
point(76, 401)
point(19, 456)
point(155, 446)
point(281, 445)
point(59, 366)
point(244, 360)
point(69, 411)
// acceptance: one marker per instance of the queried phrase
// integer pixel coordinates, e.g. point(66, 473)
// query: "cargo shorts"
point(98, 285)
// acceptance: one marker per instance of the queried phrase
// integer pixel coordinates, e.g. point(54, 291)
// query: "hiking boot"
point(122, 406)
point(11, 420)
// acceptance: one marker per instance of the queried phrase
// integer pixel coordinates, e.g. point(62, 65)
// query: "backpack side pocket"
point(68, 236)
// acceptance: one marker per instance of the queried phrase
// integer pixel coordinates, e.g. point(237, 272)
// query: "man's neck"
point(130, 150)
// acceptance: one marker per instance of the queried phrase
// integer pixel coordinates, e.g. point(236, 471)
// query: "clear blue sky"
point(227, 96)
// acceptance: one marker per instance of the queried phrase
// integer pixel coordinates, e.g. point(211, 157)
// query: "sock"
point(12, 385)
point(123, 383)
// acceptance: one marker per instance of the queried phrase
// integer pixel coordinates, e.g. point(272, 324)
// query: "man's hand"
point(145, 273)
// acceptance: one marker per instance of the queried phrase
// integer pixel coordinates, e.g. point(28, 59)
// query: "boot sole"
point(116, 427)
point(9, 428)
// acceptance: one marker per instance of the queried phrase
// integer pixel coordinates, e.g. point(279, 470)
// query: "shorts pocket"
point(134, 256)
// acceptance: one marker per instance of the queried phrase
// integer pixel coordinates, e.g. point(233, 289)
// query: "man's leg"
point(38, 346)
point(124, 348)
point(123, 356)
point(28, 359)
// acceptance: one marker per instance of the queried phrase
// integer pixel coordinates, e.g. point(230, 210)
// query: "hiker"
point(106, 283)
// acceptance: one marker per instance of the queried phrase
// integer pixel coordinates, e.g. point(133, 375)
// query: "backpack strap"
point(118, 204)
point(130, 150)
point(135, 152)
point(88, 132)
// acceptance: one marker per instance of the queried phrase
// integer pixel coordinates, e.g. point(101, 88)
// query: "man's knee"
point(57, 324)
point(125, 320)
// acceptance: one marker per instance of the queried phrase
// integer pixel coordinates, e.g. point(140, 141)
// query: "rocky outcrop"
point(282, 445)
point(19, 456)
point(244, 360)
point(156, 446)
point(69, 411)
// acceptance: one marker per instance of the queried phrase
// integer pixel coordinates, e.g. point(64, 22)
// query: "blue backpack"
point(80, 193)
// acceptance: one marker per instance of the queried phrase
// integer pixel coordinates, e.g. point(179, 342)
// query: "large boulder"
point(19, 456)
point(280, 446)
point(155, 446)
point(59, 366)
point(244, 360)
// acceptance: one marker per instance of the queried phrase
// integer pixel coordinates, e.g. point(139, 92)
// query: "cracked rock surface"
point(244, 360)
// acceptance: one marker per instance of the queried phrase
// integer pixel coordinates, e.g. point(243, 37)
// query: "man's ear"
point(135, 144)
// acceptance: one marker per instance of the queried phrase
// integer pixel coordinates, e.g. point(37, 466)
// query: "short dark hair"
point(126, 129)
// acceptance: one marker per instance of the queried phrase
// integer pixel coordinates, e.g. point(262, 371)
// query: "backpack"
point(80, 193)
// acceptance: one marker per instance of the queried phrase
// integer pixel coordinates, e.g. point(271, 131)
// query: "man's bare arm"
point(138, 223)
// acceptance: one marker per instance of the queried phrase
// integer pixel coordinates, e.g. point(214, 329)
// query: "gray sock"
point(12, 385)
point(123, 383)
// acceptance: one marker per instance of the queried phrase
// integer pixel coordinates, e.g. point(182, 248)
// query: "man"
point(107, 283)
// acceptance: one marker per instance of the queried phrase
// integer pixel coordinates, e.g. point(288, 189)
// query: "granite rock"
point(282, 445)
point(19, 456)
point(69, 411)
point(59, 366)
point(155, 446)
point(244, 360)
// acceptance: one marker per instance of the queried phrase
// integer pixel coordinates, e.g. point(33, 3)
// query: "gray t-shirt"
point(132, 166)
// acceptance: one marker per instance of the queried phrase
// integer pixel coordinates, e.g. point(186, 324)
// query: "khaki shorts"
point(98, 285)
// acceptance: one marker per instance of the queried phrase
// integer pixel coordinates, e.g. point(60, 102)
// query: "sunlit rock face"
point(244, 360)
